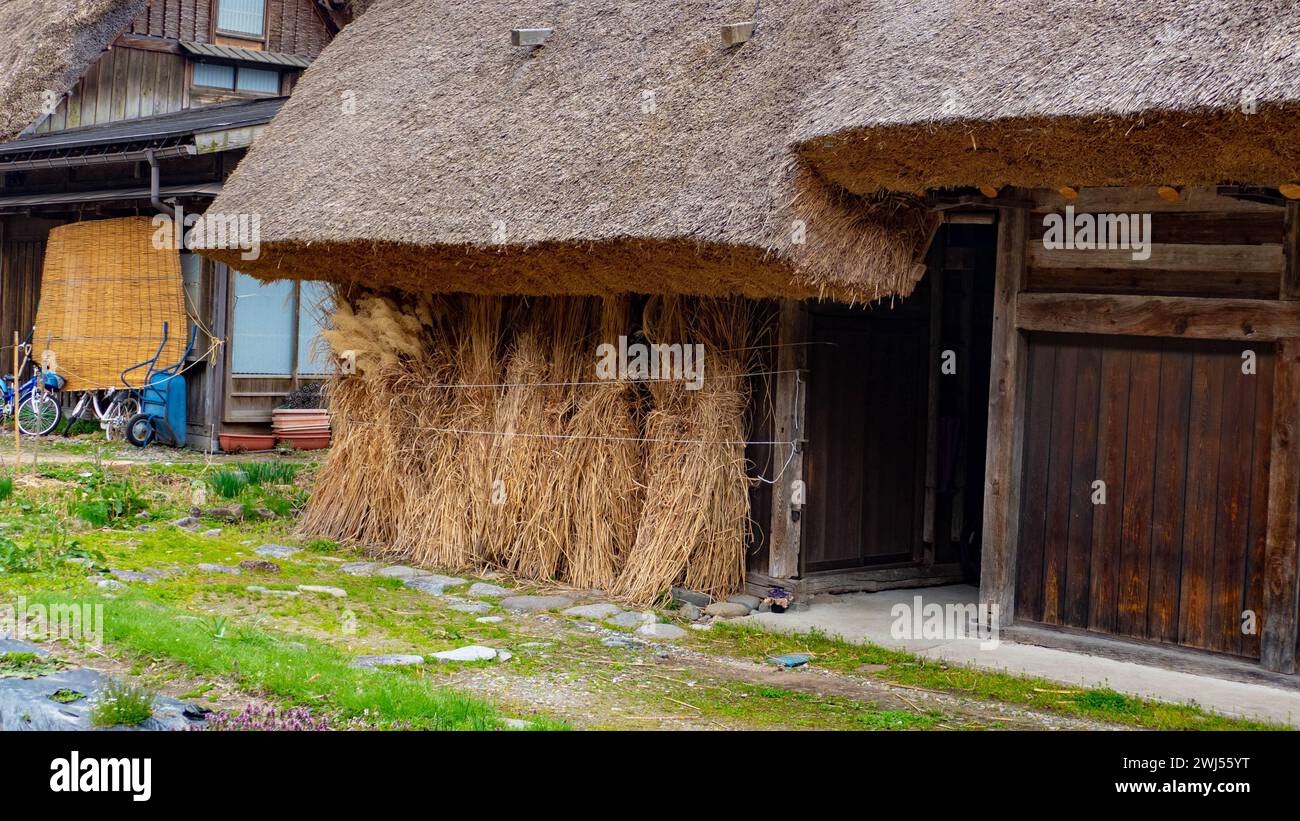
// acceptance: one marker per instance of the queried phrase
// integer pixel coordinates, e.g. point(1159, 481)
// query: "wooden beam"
point(1006, 423)
point(1182, 317)
point(789, 426)
point(936, 273)
point(1291, 249)
point(1278, 636)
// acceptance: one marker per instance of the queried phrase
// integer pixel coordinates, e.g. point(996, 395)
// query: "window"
point(241, 17)
point(237, 78)
point(267, 316)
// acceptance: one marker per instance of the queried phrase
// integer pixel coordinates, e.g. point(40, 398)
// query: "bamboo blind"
point(105, 294)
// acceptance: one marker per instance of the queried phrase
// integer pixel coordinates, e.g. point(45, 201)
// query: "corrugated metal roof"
point(206, 189)
point(245, 55)
point(180, 123)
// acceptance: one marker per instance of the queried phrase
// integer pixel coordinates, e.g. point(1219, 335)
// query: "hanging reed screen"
point(105, 294)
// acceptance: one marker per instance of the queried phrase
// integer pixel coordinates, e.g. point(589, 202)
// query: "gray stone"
point(594, 611)
point(387, 660)
point(110, 584)
point(133, 576)
point(726, 610)
point(212, 534)
point(525, 604)
point(630, 619)
point(229, 513)
point(257, 588)
point(667, 632)
point(401, 571)
point(490, 620)
point(276, 551)
point(752, 602)
point(494, 591)
point(26, 704)
point(433, 584)
point(263, 513)
point(336, 592)
point(360, 568)
point(471, 607)
point(145, 528)
point(259, 566)
point(474, 652)
point(86, 564)
point(620, 641)
point(689, 611)
point(208, 567)
point(681, 594)
point(516, 723)
point(187, 522)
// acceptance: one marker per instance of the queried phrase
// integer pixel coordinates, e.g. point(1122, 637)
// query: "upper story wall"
point(146, 72)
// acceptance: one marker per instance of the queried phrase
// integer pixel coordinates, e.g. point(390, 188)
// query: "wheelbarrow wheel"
point(139, 430)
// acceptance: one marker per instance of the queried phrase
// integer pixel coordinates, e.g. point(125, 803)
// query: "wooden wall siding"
point(20, 290)
point(865, 462)
point(123, 84)
point(292, 26)
point(1194, 254)
point(1181, 438)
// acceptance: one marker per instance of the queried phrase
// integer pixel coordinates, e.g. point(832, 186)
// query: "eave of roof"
point(244, 55)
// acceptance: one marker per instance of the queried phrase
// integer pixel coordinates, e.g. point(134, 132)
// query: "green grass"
point(270, 473)
point(228, 483)
point(295, 672)
point(122, 705)
point(1097, 704)
point(6, 487)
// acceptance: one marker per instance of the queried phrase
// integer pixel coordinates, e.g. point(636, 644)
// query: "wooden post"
point(18, 441)
point(1006, 423)
point(789, 426)
point(1278, 636)
point(1291, 252)
point(936, 273)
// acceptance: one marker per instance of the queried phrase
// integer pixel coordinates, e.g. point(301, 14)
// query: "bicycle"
point(119, 406)
point(38, 409)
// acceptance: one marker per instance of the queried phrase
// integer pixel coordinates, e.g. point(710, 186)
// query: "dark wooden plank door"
point(864, 462)
point(1178, 432)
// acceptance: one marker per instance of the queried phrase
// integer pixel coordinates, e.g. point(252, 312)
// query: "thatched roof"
point(1052, 92)
point(632, 152)
point(45, 45)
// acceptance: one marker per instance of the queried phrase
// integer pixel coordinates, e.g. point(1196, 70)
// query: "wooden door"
point(1178, 432)
point(864, 461)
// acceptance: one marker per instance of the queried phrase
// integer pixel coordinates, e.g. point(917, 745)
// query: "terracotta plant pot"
point(237, 442)
point(314, 441)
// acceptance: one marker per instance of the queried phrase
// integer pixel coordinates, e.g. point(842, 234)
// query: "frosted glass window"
point(260, 80)
point(315, 304)
point(263, 334)
point(241, 16)
point(214, 75)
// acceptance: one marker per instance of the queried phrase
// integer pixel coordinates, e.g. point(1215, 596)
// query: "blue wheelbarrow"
point(162, 399)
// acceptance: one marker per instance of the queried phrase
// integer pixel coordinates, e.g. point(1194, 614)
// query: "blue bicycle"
point(38, 407)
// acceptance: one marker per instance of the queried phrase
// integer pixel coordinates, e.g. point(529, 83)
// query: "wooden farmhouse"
point(1022, 280)
point(108, 107)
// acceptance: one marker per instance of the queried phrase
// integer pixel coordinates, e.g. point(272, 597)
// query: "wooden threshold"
point(858, 580)
point(1151, 654)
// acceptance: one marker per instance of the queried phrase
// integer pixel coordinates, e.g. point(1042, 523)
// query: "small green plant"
point(270, 473)
point(322, 546)
point(216, 626)
point(228, 483)
point(122, 705)
point(108, 501)
point(26, 665)
point(63, 695)
point(6, 487)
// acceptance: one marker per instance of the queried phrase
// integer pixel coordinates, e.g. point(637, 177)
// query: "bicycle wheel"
point(117, 415)
point(38, 414)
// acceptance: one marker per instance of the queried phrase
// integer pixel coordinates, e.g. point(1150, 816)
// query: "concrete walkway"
point(866, 618)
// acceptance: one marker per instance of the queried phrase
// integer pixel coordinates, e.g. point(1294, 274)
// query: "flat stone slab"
point(187, 522)
point(276, 551)
point(433, 584)
point(752, 602)
point(474, 652)
point(133, 576)
point(528, 604)
point(208, 567)
point(667, 632)
point(726, 610)
point(630, 619)
point(211, 534)
point(360, 568)
point(401, 571)
point(490, 620)
point(25, 704)
point(387, 660)
point(594, 611)
point(257, 588)
point(336, 592)
point(110, 584)
point(484, 589)
point(471, 607)
point(260, 566)
point(698, 599)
